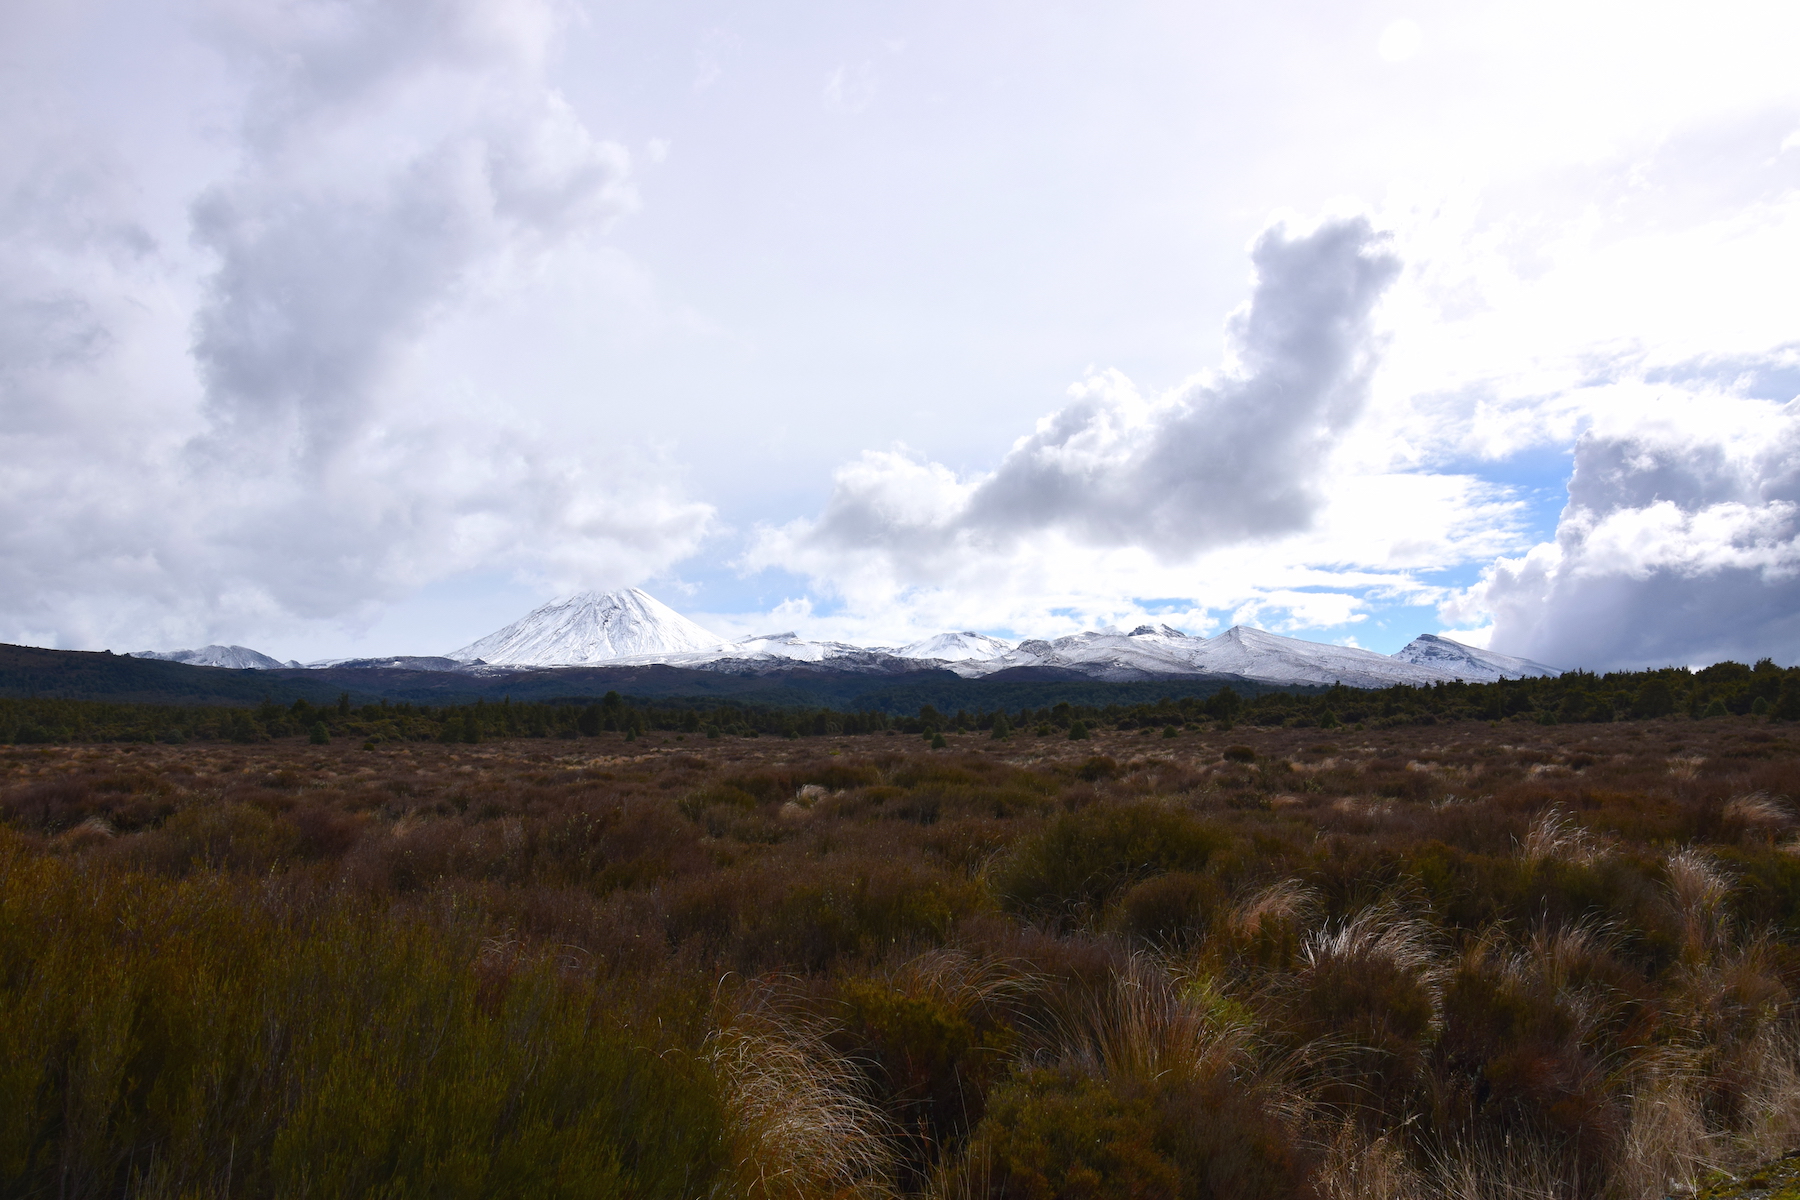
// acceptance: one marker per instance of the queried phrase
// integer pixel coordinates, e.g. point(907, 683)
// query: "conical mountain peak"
point(591, 627)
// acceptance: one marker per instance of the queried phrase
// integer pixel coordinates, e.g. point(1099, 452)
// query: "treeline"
point(1578, 697)
point(1723, 689)
point(61, 721)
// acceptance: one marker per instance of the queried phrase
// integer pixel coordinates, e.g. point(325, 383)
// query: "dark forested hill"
point(28, 672)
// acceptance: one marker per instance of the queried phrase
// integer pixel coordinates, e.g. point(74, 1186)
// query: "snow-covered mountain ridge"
point(630, 628)
point(662, 637)
point(235, 657)
point(966, 646)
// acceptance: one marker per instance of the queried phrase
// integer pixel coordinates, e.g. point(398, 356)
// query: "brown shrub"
point(1173, 910)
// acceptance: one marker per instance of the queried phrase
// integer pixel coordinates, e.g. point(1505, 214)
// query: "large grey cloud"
point(1680, 544)
point(1232, 458)
point(356, 217)
point(221, 431)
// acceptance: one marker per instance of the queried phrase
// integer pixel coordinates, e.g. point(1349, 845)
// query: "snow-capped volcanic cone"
point(1468, 662)
point(236, 657)
point(966, 646)
point(593, 627)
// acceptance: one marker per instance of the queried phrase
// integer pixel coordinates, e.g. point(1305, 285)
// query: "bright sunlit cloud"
point(1400, 41)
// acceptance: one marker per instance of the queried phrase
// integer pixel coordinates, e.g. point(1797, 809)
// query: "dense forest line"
point(1724, 689)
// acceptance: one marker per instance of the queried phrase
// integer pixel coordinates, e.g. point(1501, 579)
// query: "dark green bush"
point(1050, 1135)
point(178, 1037)
point(1100, 766)
point(1053, 1134)
point(771, 917)
point(1173, 909)
point(932, 1054)
point(1081, 859)
point(1377, 1012)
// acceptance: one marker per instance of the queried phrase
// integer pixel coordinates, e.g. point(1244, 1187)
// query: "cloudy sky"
point(363, 326)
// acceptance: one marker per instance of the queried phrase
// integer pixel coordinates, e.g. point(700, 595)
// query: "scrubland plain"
point(1474, 959)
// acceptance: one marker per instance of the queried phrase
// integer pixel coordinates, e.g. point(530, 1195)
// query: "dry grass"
point(1146, 1026)
point(1458, 960)
point(1556, 836)
point(1285, 903)
point(800, 1123)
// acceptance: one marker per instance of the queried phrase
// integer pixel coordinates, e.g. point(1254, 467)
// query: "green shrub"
point(181, 1037)
point(1787, 703)
point(760, 919)
point(1100, 766)
point(932, 1054)
point(1172, 909)
point(1053, 1134)
point(1081, 859)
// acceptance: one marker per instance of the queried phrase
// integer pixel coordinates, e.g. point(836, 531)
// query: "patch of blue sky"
point(712, 584)
point(1384, 628)
point(1164, 605)
point(1774, 375)
point(1538, 477)
point(1386, 618)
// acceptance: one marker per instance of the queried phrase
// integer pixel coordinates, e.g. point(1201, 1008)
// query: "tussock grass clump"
point(1144, 1090)
point(800, 1122)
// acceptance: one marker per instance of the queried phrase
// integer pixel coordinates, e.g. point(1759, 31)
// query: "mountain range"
point(235, 657)
point(630, 628)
